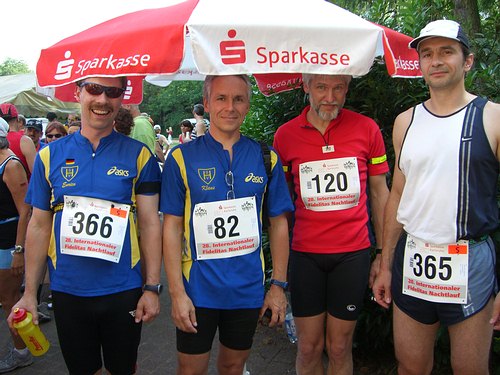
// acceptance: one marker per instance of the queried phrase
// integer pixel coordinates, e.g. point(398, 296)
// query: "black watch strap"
point(155, 288)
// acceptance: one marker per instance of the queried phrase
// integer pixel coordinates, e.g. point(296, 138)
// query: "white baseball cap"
point(441, 28)
point(4, 128)
point(157, 127)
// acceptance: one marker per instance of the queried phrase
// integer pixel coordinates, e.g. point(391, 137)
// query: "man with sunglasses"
point(91, 192)
point(212, 196)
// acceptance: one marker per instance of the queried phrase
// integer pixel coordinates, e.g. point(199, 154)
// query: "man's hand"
point(28, 304)
point(495, 316)
point(17, 265)
point(148, 307)
point(276, 302)
point(374, 270)
point(184, 314)
point(382, 288)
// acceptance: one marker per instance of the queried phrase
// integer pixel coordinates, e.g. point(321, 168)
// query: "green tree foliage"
point(170, 105)
point(12, 66)
point(381, 97)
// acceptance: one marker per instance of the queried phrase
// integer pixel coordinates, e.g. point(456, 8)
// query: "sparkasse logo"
point(233, 51)
point(65, 67)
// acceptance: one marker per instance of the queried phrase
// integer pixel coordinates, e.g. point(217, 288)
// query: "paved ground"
point(272, 353)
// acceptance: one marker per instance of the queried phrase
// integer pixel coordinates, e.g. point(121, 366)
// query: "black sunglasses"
point(50, 136)
point(97, 89)
point(229, 177)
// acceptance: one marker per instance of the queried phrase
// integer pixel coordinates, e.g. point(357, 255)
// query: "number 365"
point(430, 268)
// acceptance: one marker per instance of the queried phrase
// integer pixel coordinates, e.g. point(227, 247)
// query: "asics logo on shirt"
point(117, 172)
point(255, 179)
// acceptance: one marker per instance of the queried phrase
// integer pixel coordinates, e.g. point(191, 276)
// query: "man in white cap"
point(438, 260)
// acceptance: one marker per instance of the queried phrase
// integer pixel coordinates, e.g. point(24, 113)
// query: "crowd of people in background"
point(129, 121)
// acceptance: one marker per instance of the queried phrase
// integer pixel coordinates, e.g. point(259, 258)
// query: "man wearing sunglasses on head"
point(212, 197)
point(91, 192)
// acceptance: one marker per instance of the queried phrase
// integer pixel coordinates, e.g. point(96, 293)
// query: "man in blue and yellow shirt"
point(212, 198)
point(91, 192)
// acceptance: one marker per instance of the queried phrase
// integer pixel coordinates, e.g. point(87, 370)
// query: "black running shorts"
point(329, 282)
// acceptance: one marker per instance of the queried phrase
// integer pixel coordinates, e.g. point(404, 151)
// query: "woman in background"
point(186, 131)
point(14, 217)
point(54, 131)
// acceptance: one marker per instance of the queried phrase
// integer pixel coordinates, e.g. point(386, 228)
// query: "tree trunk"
point(467, 14)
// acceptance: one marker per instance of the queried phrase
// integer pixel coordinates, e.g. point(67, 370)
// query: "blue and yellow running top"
point(118, 170)
point(197, 172)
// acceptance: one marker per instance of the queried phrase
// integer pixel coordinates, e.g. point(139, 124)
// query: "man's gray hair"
point(307, 77)
point(207, 86)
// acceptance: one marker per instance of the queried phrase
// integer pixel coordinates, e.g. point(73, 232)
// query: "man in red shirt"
point(19, 143)
point(334, 160)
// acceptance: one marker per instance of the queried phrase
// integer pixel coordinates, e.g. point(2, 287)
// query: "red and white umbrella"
point(227, 37)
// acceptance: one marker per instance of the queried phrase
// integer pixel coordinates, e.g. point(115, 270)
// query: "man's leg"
point(470, 343)
point(311, 333)
point(10, 285)
point(193, 349)
point(344, 306)
point(192, 364)
point(236, 332)
point(413, 343)
point(230, 361)
point(308, 282)
point(339, 334)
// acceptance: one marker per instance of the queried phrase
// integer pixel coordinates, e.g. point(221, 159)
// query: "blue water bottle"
point(291, 331)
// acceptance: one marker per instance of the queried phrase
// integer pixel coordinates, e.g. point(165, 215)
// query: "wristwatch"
point(156, 288)
point(282, 284)
point(18, 249)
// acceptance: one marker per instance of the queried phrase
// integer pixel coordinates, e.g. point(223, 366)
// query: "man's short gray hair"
point(307, 77)
point(207, 86)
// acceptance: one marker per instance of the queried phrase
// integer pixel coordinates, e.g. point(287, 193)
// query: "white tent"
point(30, 100)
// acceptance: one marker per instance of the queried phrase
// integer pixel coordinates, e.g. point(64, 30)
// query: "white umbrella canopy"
point(30, 100)
point(226, 36)
point(282, 36)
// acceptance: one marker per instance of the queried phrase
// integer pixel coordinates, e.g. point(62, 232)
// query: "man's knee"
point(339, 351)
point(191, 364)
point(309, 351)
point(230, 367)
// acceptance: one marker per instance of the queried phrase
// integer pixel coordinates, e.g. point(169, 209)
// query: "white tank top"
point(430, 162)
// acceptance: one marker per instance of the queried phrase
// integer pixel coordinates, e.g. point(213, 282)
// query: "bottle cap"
point(19, 315)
